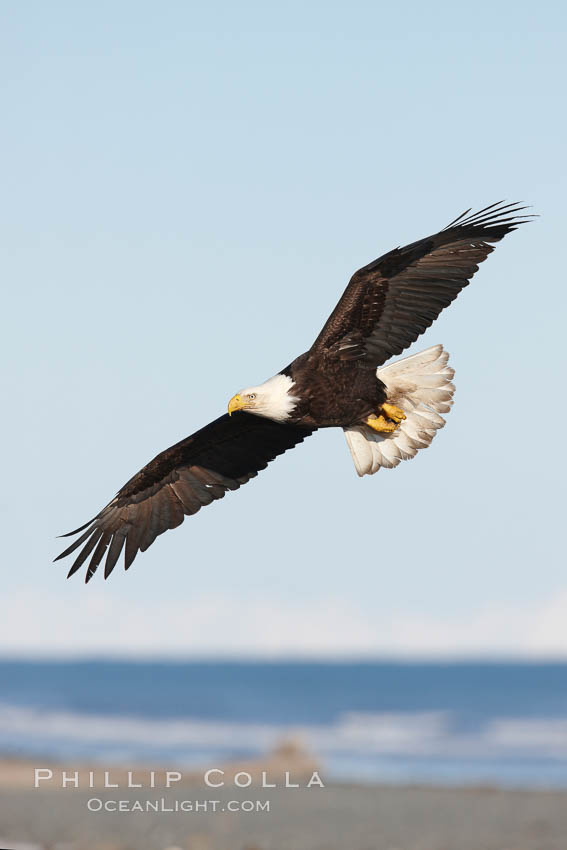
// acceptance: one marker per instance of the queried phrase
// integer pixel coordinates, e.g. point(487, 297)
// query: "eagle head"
point(244, 400)
point(271, 399)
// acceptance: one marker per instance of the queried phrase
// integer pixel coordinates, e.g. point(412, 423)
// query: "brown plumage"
point(391, 301)
point(385, 307)
point(220, 457)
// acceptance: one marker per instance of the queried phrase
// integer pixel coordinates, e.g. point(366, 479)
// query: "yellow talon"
point(396, 414)
point(381, 424)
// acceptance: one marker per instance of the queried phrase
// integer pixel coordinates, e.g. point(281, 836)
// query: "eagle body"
point(330, 394)
point(388, 410)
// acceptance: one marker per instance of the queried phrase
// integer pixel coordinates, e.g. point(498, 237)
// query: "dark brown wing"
point(220, 457)
point(393, 300)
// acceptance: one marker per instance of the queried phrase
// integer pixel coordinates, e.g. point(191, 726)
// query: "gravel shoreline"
point(337, 817)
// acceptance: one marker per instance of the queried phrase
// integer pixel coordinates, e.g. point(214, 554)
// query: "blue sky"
point(186, 189)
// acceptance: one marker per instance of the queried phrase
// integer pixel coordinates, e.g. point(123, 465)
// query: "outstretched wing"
point(390, 302)
point(220, 457)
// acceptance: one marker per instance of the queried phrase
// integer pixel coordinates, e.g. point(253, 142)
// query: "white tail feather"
point(421, 386)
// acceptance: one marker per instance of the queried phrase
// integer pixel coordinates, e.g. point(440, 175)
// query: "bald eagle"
point(387, 412)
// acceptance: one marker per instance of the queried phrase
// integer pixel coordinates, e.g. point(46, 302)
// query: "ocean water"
point(503, 724)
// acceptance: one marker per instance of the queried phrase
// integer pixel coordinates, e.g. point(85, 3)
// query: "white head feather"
point(271, 399)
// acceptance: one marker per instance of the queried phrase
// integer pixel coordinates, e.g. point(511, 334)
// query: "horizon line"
point(275, 659)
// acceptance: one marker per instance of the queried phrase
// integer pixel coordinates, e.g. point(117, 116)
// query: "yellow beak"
point(235, 403)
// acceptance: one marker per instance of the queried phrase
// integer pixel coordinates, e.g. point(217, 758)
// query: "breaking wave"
point(409, 746)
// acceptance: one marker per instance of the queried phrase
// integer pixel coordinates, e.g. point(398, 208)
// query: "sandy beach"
point(194, 816)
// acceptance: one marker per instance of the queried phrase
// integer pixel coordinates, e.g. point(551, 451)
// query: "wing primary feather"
point(464, 217)
point(489, 207)
point(489, 216)
point(146, 511)
point(459, 217)
point(494, 209)
point(131, 550)
point(115, 550)
point(497, 220)
point(97, 556)
point(501, 215)
point(76, 531)
point(85, 551)
point(177, 514)
point(75, 544)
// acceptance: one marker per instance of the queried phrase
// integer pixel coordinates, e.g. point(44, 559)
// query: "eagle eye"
point(251, 395)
